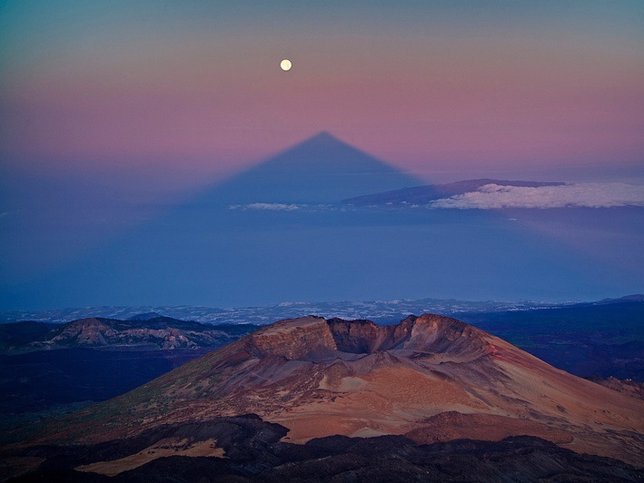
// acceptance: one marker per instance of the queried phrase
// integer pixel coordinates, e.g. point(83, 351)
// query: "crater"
point(365, 337)
point(315, 338)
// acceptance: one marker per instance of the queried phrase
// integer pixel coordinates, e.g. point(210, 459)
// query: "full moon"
point(286, 65)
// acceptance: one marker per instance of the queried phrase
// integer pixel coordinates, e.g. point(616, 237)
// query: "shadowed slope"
point(278, 232)
point(321, 169)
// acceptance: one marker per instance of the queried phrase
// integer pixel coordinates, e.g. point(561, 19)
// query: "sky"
point(113, 112)
point(441, 88)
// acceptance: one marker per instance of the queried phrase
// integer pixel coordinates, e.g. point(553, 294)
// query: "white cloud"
point(266, 207)
point(589, 195)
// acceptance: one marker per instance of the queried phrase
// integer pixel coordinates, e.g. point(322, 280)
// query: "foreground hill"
point(246, 448)
point(429, 378)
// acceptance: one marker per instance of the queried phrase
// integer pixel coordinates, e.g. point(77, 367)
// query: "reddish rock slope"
point(432, 378)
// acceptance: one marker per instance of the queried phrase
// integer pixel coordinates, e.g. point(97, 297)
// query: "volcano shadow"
point(280, 232)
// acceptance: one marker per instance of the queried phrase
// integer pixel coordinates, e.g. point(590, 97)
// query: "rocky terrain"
point(429, 378)
point(157, 331)
point(248, 449)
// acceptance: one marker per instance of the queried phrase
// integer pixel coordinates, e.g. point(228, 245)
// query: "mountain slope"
point(431, 378)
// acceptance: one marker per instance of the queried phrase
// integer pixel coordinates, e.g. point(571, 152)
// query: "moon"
point(286, 65)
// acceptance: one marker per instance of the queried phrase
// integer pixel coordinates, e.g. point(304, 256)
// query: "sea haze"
point(290, 229)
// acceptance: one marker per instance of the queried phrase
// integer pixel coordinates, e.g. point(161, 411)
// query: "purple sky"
point(438, 88)
point(111, 112)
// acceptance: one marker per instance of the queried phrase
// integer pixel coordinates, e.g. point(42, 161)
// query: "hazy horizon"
point(225, 244)
point(119, 120)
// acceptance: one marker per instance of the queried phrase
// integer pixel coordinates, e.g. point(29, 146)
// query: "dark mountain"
point(145, 316)
point(421, 195)
point(21, 334)
point(638, 297)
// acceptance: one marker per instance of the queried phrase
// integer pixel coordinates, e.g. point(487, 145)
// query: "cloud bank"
point(267, 207)
point(586, 195)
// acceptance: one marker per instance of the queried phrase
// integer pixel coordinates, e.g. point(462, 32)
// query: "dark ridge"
point(254, 452)
point(20, 333)
point(145, 316)
point(424, 194)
